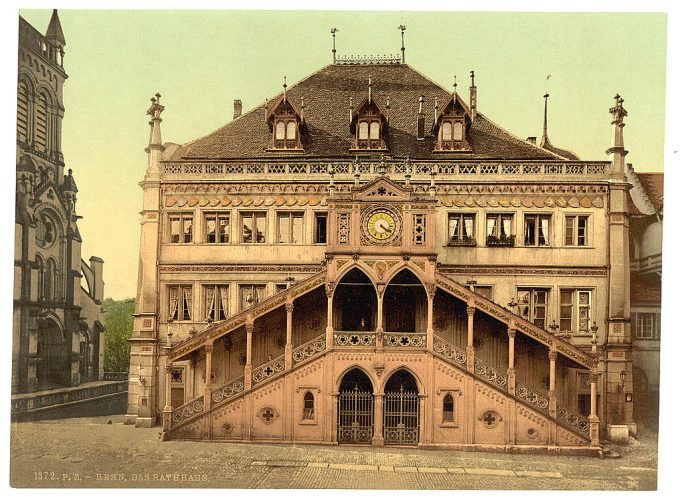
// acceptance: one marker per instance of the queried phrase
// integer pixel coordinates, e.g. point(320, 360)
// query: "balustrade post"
point(593, 419)
point(207, 389)
point(552, 356)
point(378, 438)
point(167, 410)
point(248, 369)
point(511, 357)
point(470, 349)
point(430, 316)
point(289, 336)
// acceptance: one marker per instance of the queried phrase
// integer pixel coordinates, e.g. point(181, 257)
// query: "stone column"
point(430, 316)
point(289, 335)
point(330, 288)
point(593, 419)
point(470, 338)
point(248, 370)
point(378, 438)
point(207, 390)
point(167, 410)
point(379, 294)
point(552, 356)
point(511, 358)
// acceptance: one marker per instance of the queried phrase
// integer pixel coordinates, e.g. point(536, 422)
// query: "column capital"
point(552, 355)
point(470, 310)
point(168, 368)
point(512, 331)
point(431, 289)
point(593, 377)
point(330, 288)
point(289, 306)
point(249, 327)
point(208, 347)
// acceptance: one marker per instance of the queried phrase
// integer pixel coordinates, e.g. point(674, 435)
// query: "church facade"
point(58, 324)
point(368, 258)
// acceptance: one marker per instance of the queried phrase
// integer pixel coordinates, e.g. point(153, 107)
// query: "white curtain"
point(210, 303)
point(186, 294)
point(173, 303)
point(453, 227)
point(545, 229)
point(490, 226)
point(468, 227)
point(224, 300)
point(506, 226)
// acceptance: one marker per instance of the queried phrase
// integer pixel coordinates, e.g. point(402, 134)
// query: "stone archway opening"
point(401, 409)
point(355, 408)
point(356, 302)
point(405, 304)
point(53, 369)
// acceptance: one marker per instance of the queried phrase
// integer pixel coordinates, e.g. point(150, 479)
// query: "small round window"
point(46, 231)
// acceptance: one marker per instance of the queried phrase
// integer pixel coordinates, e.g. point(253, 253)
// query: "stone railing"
point(309, 349)
point(269, 369)
point(115, 376)
point(187, 411)
point(450, 352)
point(573, 421)
point(531, 397)
point(405, 340)
point(490, 374)
point(173, 170)
point(229, 390)
point(354, 339)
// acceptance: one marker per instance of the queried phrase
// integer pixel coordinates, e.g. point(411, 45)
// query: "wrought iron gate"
point(401, 416)
point(355, 417)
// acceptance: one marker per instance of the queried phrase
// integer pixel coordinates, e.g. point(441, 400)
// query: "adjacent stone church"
point(368, 258)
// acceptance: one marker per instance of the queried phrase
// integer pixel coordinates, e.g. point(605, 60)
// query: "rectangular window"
point(179, 307)
point(461, 229)
point(181, 227)
point(254, 227)
point(536, 230)
point(320, 228)
point(576, 230)
point(249, 295)
point(647, 325)
point(499, 230)
point(216, 227)
point(575, 310)
point(216, 302)
point(532, 304)
point(289, 227)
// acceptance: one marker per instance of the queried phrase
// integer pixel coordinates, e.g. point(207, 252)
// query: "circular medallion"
point(381, 225)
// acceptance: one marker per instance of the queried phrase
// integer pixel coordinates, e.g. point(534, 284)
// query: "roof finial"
point(472, 76)
point(403, 49)
point(545, 117)
point(370, 86)
point(285, 86)
point(421, 99)
point(333, 32)
point(455, 83)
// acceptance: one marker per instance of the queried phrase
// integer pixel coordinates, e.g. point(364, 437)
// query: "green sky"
point(201, 60)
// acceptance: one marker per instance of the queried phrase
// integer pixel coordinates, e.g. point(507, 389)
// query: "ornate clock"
point(381, 225)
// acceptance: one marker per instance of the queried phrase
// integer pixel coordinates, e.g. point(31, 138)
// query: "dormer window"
point(287, 125)
point(286, 134)
point(450, 127)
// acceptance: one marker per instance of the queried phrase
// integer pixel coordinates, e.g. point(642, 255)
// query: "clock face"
point(381, 225)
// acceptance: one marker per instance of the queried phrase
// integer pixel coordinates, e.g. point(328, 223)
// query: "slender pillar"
point(511, 357)
point(470, 338)
point(207, 390)
point(329, 322)
point(430, 320)
point(552, 356)
point(593, 419)
point(379, 325)
point(167, 410)
point(378, 438)
point(248, 370)
point(289, 335)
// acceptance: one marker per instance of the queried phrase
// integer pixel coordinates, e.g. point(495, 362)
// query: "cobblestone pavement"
point(87, 452)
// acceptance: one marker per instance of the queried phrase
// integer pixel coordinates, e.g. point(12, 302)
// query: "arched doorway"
point(356, 302)
point(401, 409)
point(405, 304)
point(355, 409)
point(54, 360)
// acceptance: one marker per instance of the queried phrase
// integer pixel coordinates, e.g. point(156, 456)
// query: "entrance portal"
point(401, 410)
point(355, 409)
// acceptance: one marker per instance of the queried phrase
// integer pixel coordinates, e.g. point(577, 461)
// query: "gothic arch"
point(414, 374)
point(369, 375)
point(418, 273)
point(362, 267)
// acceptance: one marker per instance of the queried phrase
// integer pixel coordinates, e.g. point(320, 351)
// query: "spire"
point(473, 96)
point(544, 140)
point(155, 145)
point(455, 85)
point(403, 49)
point(54, 31)
point(285, 86)
point(617, 151)
point(333, 32)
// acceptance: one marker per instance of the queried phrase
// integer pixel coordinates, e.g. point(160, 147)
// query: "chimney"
point(473, 97)
point(532, 139)
point(238, 108)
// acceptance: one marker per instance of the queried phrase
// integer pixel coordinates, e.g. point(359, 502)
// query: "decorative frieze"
point(200, 268)
point(524, 271)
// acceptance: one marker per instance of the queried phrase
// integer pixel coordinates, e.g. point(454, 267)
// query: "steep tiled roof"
point(326, 96)
point(653, 185)
point(567, 154)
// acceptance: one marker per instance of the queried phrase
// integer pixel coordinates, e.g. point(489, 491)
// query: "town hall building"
point(369, 259)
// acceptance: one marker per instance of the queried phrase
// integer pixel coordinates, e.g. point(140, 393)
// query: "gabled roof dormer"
point(451, 125)
point(286, 123)
point(369, 123)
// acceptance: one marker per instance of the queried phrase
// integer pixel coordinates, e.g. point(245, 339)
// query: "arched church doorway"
point(54, 360)
point(355, 409)
point(401, 409)
point(357, 302)
point(405, 304)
